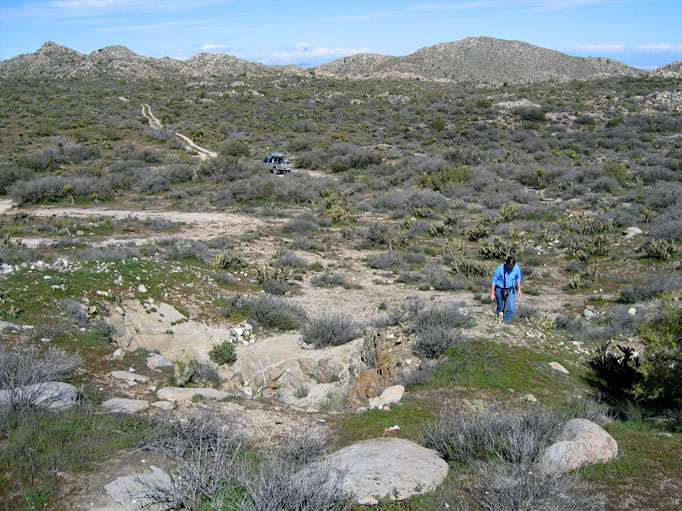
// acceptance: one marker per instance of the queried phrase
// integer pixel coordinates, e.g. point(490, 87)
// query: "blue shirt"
point(501, 274)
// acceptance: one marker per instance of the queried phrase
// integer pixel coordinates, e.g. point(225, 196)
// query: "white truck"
point(278, 164)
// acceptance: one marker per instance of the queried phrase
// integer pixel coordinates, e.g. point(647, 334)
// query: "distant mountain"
point(477, 59)
point(672, 70)
point(55, 61)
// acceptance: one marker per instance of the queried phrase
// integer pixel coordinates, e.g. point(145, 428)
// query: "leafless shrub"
point(75, 310)
point(508, 486)
point(513, 435)
point(205, 451)
point(23, 371)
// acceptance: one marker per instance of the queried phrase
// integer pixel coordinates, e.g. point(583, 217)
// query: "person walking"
point(505, 288)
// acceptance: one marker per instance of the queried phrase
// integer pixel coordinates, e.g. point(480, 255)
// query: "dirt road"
point(202, 152)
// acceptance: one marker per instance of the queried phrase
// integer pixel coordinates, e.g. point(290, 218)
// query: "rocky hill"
point(672, 70)
point(478, 60)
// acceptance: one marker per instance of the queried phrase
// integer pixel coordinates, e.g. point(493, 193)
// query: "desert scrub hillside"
point(401, 190)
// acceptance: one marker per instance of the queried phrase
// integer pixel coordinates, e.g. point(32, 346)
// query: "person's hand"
point(518, 295)
point(492, 297)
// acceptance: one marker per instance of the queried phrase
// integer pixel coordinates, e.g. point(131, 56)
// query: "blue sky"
point(644, 33)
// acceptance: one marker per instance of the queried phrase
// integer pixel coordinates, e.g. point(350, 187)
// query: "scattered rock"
point(132, 491)
point(128, 376)
point(51, 395)
point(588, 314)
point(187, 394)
point(118, 354)
point(141, 288)
point(529, 398)
point(156, 361)
point(6, 324)
point(580, 442)
point(558, 367)
point(632, 311)
point(120, 404)
point(328, 370)
point(389, 396)
point(388, 467)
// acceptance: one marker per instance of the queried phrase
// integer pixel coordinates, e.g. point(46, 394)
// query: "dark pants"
point(505, 305)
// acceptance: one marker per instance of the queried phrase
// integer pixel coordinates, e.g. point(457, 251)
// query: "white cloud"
point(306, 50)
point(661, 47)
point(214, 47)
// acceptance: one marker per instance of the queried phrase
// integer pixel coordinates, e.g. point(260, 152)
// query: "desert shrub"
point(497, 248)
point(10, 174)
point(659, 249)
point(288, 258)
point(504, 486)
point(267, 273)
point(276, 287)
point(23, 366)
point(223, 353)
point(222, 169)
point(436, 330)
point(305, 222)
point(183, 249)
point(229, 259)
point(374, 235)
point(276, 313)
point(618, 372)
point(480, 228)
point(528, 113)
point(384, 260)
point(55, 188)
point(469, 267)
point(443, 178)
point(235, 147)
point(661, 365)
point(225, 278)
point(328, 278)
point(330, 330)
point(655, 286)
point(75, 310)
point(512, 435)
point(15, 252)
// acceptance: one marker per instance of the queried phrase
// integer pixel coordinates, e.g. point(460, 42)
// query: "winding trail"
point(202, 152)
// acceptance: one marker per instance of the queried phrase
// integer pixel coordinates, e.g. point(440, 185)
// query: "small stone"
point(128, 376)
point(529, 398)
point(141, 288)
point(632, 311)
point(119, 404)
point(588, 314)
point(558, 367)
point(118, 354)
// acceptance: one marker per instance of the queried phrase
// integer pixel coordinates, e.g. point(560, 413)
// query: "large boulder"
point(132, 493)
point(388, 467)
point(53, 395)
point(580, 442)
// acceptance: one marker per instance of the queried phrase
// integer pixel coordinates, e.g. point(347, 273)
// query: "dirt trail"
point(203, 153)
point(196, 225)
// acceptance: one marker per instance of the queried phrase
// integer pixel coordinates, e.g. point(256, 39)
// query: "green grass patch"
point(486, 365)
point(36, 447)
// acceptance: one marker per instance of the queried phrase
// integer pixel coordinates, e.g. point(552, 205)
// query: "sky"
point(642, 33)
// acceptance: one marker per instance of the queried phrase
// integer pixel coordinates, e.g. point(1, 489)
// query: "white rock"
point(131, 493)
point(387, 467)
point(558, 367)
point(120, 404)
point(141, 288)
point(588, 314)
point(51, 395)
point(389, 396)
point(163, 405)
point(128, 376)
point(631, 232)
point(632, 311)
point(187, 394)
point(118, 354)
point(579, 442)
point(156, 361)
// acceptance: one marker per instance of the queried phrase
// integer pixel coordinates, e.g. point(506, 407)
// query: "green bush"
point(659, 249)
point(223, 354)
point(229, 259)
point(497, 248)
point(661, 366)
